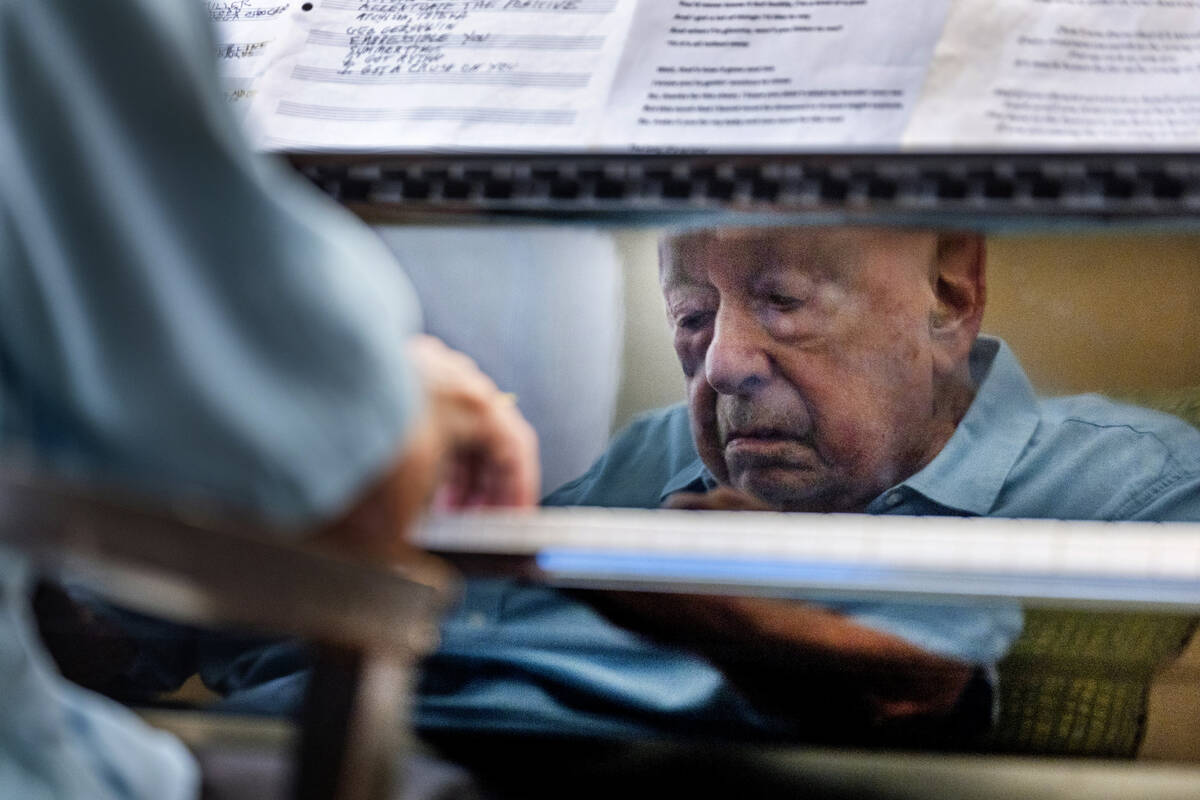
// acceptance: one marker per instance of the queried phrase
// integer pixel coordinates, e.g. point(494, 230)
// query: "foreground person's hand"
point(489, 451)
point(470, 448)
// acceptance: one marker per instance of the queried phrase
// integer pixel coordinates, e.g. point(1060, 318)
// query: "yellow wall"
point(1109, 312)
point(651, 377)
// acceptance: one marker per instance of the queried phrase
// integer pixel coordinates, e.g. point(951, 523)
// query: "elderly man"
point(830, 369)
point(827, 370)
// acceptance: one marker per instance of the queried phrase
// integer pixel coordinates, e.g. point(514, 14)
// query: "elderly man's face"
point(815, 365)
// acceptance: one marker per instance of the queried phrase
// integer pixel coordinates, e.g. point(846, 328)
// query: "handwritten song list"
point(247, 32)
point(494, 71)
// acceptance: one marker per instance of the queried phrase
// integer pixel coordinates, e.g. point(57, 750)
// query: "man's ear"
point(960, 291)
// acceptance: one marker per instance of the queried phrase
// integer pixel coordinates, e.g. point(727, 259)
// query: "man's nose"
point(737, 361)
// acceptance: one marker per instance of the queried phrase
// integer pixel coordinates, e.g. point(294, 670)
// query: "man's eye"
point(693, 322)
point(784, 302)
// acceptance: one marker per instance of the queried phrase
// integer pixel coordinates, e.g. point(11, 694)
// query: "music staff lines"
point(489, 41)
point(564, 80)
point(513, 116)
point(478, 6)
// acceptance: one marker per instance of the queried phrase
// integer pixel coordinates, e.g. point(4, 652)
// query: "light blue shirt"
point(526, 658)
point(176, 316)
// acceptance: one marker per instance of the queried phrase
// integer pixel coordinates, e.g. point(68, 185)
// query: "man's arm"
point(800, 661)
point(793, 658)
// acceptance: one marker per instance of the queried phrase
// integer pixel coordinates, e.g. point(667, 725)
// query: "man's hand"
point(722, 498)
point(471, 447)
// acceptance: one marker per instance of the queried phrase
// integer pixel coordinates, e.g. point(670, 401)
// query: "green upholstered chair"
point(1077, 682)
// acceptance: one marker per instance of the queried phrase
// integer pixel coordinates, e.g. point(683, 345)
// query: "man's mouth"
point(764, 434)
point(761, 442)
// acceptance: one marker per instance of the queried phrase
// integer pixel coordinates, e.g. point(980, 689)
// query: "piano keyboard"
point(803, 555)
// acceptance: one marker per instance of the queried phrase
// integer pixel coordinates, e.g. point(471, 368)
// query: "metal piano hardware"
point(1025, 189)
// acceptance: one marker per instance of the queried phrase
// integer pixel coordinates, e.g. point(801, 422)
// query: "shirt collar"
point(970, 470)
point(695, 477)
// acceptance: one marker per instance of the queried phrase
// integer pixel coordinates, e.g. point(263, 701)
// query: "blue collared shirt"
point(525, 658)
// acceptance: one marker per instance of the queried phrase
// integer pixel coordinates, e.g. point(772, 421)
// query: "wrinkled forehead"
point(837, 254)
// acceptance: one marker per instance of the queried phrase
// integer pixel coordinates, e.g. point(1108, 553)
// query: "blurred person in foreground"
point(183, 319)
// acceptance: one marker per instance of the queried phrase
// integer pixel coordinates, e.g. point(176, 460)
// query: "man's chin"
point(786, 488)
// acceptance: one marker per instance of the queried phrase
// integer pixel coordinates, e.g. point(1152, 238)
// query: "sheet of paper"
point(398, 75)
point(1078, 74)
point(247, 34)
point(771, 74)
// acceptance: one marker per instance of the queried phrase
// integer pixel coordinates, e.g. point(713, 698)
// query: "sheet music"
point(247, 35)
point(692, 76)
point(401, 74)
point(1108, 74)
point(771, 75)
